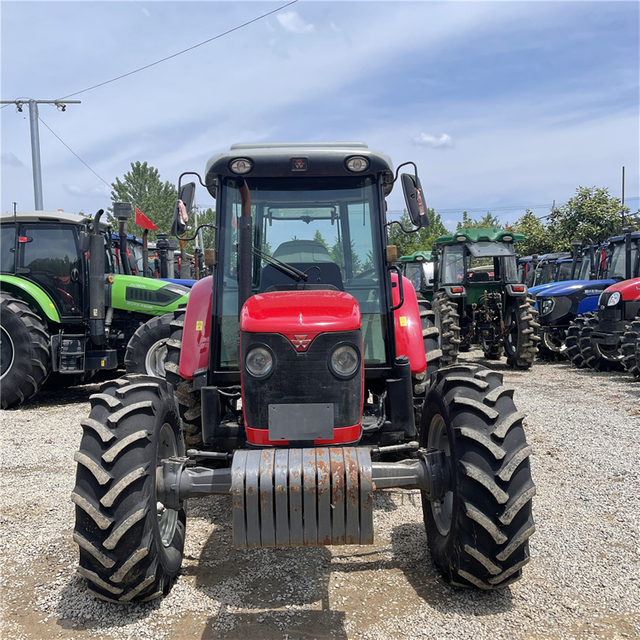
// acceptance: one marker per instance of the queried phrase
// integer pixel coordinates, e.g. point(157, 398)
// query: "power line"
point(73, 152)
point(179, 53)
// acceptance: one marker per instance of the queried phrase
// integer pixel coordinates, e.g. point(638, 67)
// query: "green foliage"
point(143, 188)
point(538, 239)
point(422, 240)
point(486, 222)
point(592, 215)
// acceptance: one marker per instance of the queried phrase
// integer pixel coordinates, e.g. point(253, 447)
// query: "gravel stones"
point(583, 580)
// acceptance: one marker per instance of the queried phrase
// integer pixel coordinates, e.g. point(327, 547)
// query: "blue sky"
point(502, 105)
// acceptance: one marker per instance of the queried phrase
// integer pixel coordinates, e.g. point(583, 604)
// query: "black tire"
point(551, 346)
point(188, 399)
point(147, 349)
point(596, 356)
point(572, 341)
point(630, 348)
point(130, 549)
point(25, 359)
point(491, 350)
point(478, 531)
point(447, 320)
point(520, 333)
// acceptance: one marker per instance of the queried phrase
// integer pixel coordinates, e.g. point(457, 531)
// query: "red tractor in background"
point(296, 385)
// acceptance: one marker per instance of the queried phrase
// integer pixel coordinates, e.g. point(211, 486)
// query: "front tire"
point(598, 357)
point(147, 348)
point(25, 360)
point(521, 338)
point(572, 341)
point(130, 546)
point(630, 348)
point(478, 529)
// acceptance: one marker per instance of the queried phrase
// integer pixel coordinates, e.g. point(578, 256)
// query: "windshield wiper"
point(283, 267)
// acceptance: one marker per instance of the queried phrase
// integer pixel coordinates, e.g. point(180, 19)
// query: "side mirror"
point(183, 208)
point(414, 197)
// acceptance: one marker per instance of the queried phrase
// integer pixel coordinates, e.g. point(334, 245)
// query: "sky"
point(502, 105)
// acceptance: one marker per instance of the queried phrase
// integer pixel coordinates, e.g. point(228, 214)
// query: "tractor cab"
point(418, 268)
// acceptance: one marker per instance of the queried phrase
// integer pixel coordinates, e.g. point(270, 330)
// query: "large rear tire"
point(478, 530)
point(447, 320)
point(188, 399)
point(630, 348)
point(521, 333)
point(130, 545)
point(25, 359)
point(147, 348)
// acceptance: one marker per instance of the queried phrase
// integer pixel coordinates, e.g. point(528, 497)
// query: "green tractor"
point(65, 313)
point(479, 299)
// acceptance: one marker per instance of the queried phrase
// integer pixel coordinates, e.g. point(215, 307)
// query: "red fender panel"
point(408, 328)
point(194, 354)
point(629, 289)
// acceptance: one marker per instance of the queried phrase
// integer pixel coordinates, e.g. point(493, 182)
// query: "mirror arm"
point(200, 226)
point(404, 164)
point(388, 224)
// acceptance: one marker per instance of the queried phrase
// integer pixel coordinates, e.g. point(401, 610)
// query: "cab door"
point(50, 256)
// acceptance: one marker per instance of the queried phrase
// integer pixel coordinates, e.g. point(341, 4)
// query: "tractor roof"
point(288, 159)
point(418, 256)
point(491, 234)
point(44, 216)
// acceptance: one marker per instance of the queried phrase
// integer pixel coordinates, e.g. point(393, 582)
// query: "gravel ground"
point(583, 580)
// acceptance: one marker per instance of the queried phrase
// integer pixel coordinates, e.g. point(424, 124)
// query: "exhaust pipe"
point(97, 284)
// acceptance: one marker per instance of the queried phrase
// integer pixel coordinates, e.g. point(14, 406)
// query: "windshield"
point(320, 226)
point(473, 268)
point(585, 267)
point(617, 264)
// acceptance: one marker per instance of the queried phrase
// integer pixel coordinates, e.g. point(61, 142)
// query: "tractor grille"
point(302, 378)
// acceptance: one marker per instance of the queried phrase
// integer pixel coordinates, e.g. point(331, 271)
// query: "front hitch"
point(311, 497)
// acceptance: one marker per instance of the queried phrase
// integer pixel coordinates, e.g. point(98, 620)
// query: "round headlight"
point(259, 362)
point(241, 166)
point(344, 361)
point(614, 298)
point(357, 164)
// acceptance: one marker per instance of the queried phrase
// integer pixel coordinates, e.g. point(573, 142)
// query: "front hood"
point(558, 289)
point(551, 285)
point(313, 311)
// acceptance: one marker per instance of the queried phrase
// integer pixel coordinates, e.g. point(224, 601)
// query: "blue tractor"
point(566, 307)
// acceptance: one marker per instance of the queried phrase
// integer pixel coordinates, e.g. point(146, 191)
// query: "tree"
point(537, 236)
point(422, 240)
point(592, 215)
point(143, 188)
point(486, 222)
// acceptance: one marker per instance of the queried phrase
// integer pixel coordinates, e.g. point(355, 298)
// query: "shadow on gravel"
point(412, 557)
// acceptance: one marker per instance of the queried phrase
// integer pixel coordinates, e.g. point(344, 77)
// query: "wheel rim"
point(551, 343)
point(610, 354)
point(6, 353)
point(155, 359)
point(511, 332)
point(167, 518)
point(442, 510)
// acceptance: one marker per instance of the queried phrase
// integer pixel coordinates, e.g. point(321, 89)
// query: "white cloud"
point(291, 21)
point(436, 142)
point(11, 160)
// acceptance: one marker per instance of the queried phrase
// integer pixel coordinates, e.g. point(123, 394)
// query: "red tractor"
point(296, 385)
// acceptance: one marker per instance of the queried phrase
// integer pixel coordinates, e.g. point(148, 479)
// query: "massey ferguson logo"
point(298, 164)
point(301, 342)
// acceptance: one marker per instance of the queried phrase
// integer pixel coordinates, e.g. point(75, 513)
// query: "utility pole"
point(35, 139)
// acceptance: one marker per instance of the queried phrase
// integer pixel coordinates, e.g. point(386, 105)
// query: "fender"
point(196, 332)
point(30, 292)
point(408, 328)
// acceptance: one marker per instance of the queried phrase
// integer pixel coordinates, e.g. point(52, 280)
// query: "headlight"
point(344, 361)
point(259, 362)
point(547, 306)
point(614, 299)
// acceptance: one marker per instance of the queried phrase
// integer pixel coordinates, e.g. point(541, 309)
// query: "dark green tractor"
point(479, 299)
point(65, 314)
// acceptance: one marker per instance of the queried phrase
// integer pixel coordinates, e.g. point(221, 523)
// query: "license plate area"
point(308, 421)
